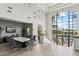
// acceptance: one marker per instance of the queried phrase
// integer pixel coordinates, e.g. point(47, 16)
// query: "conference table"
point(22, 40)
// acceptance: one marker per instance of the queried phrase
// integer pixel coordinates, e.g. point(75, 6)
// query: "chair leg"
point(29, 45)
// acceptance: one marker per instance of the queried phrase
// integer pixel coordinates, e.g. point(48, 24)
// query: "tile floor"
point(48, 48)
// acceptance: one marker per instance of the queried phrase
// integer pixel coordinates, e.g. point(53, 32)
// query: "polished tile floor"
point(48, 48)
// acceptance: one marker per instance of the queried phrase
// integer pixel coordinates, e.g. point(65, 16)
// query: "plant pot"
point(40, 39)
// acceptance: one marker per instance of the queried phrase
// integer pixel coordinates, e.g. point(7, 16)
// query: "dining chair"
point(34, 40)
point(10, 42)
point(13, 44)
point(29, 44)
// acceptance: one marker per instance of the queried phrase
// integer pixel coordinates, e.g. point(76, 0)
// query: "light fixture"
point(10, 7)
point(9, 11)
point(29, 17)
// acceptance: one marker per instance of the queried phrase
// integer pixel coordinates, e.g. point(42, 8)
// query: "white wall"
point(20, 12)
point(4, 24)
point(74, 8)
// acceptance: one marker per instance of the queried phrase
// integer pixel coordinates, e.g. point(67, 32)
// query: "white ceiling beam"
point(59, 7)
point(53, 7)
point(42, 6)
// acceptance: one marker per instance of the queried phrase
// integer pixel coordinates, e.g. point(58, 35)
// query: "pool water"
point(65, 37)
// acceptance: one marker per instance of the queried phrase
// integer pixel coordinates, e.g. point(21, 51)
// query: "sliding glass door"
point(64, 27)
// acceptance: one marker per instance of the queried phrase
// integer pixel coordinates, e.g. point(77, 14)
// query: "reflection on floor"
point(48, 48)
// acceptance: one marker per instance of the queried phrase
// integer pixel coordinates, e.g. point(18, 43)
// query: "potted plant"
point(0, 33)
point(1, 30)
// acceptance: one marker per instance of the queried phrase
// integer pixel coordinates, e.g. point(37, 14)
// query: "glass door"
point(64, 27)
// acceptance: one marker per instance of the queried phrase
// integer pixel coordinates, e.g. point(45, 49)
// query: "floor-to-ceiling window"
point(64, 27)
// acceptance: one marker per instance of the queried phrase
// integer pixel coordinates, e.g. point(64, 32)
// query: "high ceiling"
point(48, 7)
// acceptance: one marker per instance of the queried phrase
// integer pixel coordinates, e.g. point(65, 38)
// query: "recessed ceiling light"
point(29, 17)
point(10, 7)
point(9, 11)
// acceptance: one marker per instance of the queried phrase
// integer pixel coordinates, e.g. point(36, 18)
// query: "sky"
point(63, 21)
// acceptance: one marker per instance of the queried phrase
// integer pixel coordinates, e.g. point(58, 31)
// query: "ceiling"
point(48, 7)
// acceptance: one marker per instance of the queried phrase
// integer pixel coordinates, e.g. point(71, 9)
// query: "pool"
point(65, 37)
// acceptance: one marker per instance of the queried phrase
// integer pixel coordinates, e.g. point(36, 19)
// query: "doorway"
point(27, 30)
